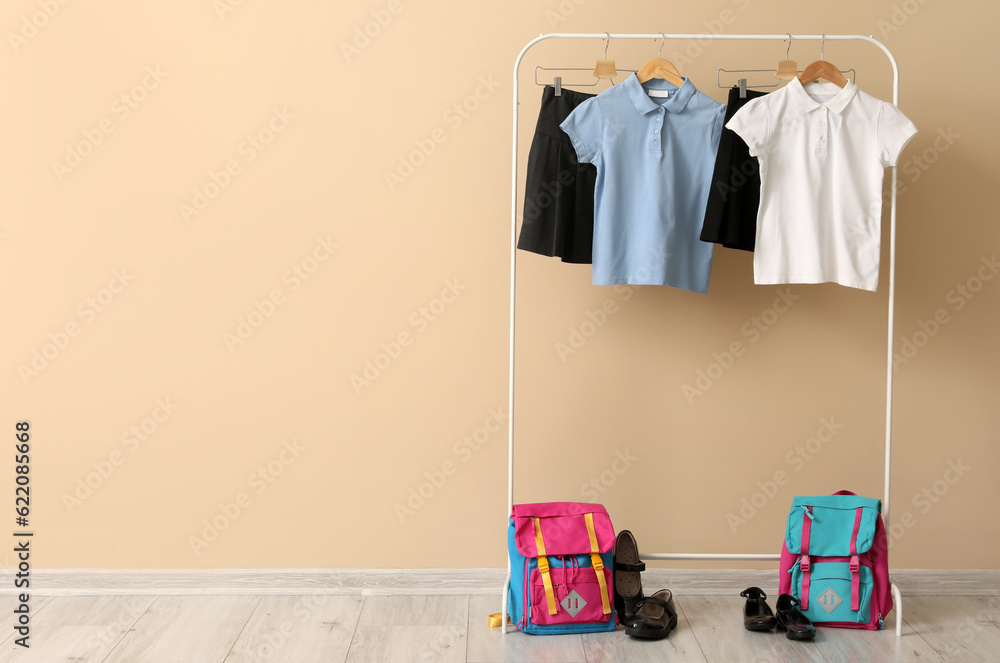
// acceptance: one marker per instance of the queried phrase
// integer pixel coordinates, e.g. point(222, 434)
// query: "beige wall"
point(137, 301)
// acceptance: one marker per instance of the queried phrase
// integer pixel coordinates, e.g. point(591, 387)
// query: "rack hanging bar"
point(743, 557)
point(513, 273)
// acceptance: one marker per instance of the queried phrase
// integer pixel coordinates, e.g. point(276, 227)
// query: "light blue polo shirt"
point(654, 156)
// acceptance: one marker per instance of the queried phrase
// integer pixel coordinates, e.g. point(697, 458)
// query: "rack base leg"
point(897, 602)
point(503, 606)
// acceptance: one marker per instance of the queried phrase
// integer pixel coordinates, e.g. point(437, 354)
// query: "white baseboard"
point(70, 582)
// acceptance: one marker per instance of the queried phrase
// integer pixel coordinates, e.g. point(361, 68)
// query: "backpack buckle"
point(855, 563)
point(804, 563)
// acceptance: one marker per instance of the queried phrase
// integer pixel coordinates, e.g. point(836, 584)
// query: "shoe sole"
point(646, 635)
point(628, 583)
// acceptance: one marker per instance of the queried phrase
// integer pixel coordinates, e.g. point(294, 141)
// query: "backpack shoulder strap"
point(543, 568)
point(597, 562)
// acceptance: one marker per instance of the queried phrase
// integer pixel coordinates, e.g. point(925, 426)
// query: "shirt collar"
point(675, 103)
point(808, 104)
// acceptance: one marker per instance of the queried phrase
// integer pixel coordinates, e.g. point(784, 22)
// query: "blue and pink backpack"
point(835, 561)
point(561, 576)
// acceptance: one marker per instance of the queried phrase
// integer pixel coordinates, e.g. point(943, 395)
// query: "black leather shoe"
point(655, 618)
point(628, 584)
point(792, 620)
point(757, 615)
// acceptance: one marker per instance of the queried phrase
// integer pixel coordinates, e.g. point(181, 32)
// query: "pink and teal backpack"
point(835, 560)
point(560, 565)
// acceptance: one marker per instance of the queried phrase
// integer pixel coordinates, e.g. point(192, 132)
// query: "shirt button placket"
point(823, 133)
point(655, 147)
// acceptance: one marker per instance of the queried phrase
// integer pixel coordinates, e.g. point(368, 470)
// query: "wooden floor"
point(395, 629)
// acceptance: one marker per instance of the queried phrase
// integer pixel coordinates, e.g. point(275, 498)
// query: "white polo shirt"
point(823, 151)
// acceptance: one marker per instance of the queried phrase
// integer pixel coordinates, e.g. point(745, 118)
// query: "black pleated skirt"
point(731, 213)
point(559, 190)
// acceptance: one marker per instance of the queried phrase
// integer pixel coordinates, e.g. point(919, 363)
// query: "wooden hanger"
point(660, 68)
point(822, 69)
point(605, 68)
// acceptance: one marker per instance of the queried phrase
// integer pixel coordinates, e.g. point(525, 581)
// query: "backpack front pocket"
point(830, 592)
point(577, 596)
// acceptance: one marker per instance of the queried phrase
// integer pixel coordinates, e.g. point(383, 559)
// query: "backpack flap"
point(831, 526)
point(564, 527)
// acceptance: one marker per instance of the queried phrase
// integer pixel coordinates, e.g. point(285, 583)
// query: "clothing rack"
point(757, 557)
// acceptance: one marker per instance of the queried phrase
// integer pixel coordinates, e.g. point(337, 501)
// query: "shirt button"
point(657, 119)
point(656, 131)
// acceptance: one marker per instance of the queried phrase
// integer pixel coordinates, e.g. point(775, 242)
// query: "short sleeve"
point(585, 127)
point(752, 124)
point(893, 130)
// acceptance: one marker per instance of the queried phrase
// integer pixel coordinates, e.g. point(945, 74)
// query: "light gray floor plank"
point(842, 644)
point(489, 645)
point(327, 629)
point(298, 628)
point(185, 629)
point(717, 622)
point(74, 629)
point(961, 629)
point(681, 645)
point(411, 628)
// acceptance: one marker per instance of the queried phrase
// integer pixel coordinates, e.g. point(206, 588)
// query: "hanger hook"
point(789, 45)
point(822, 46)
point(606, 44)
point(663, 38)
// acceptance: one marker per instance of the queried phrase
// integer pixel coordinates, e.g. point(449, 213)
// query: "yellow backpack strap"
point(543, 568)
point(595, 559)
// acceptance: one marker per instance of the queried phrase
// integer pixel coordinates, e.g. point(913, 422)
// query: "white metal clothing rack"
point(513, 283)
